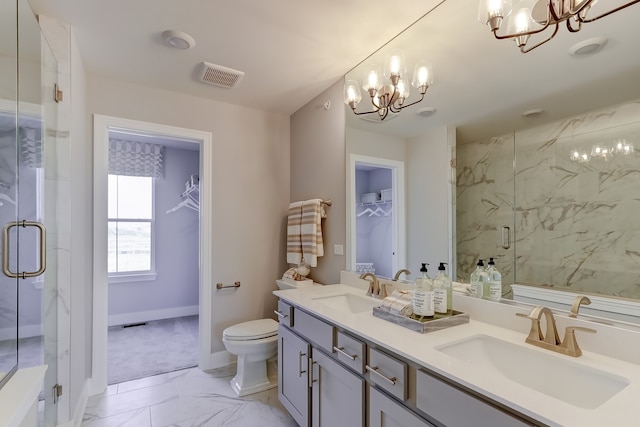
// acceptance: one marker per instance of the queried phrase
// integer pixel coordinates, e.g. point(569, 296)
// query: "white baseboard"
point(23, 332)
point(147, 316)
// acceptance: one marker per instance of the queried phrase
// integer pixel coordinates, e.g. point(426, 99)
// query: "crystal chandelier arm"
point(595, 18)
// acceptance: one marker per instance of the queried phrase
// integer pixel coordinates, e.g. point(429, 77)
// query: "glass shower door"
point(8, 163)
point(41, 200)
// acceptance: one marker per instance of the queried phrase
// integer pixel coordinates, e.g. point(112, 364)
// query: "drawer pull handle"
point(344, 353)
point(377, 372)
point(280, 315)
point(300, 371)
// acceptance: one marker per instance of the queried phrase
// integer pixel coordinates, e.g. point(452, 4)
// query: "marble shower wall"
point(574, 222)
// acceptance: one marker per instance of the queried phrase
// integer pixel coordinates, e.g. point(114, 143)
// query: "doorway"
point(105, 128)
point(376, 215)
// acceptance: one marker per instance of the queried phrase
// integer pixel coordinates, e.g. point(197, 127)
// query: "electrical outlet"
point(338, 250)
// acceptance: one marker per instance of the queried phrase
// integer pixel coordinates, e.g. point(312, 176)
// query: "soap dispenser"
point(478, 279)
point(442, 291)
point(495, 281)
point(423, 294)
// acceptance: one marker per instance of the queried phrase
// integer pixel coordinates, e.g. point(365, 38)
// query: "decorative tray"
point(423, 326)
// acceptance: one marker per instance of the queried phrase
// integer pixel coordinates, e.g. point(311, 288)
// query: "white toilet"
point(253, 342)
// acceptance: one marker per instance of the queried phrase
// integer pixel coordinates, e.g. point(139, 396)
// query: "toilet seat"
point(252, 330)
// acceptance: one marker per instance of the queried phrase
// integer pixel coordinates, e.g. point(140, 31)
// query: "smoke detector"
point(178, 39)
point(220, 76)
point(588, 47)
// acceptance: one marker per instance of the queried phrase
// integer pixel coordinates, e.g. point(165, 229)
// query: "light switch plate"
point(338, 250)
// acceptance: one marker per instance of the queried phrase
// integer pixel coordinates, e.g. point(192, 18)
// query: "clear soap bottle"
point(495, 281)
point(478, 278)
point(442, 291)
point(423, 294)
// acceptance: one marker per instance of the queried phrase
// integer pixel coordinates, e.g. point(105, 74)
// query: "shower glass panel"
point(8, 162)
point(42, 196)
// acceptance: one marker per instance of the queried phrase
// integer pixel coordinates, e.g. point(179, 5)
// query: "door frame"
point(101, 126)
point(399, 260)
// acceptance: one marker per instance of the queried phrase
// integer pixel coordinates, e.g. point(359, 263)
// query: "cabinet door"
point(293, 366)
point(337, 394)
point(384, 412)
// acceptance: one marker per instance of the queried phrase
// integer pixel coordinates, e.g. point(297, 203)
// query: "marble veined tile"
point(104, 406)
point(137, 418)
point(190, 407)
point(250, 413)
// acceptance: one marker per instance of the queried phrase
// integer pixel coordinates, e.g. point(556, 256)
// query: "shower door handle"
point(506, 237)
point(5, 249)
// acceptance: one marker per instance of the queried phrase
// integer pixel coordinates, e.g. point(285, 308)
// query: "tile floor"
point(185, 398)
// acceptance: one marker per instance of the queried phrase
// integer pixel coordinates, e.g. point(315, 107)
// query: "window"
point(130, 216)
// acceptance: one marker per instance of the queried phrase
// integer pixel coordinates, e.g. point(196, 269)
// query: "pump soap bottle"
point(442, 291)
point(423, 294)
point(478, 279)
point(495, 281)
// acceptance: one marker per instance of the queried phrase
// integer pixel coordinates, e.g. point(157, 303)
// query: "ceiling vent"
point(220, 76)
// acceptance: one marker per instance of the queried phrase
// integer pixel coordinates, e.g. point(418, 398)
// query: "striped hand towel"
point(304, 232)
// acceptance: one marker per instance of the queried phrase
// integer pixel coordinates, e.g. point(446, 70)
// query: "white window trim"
point(145, 275)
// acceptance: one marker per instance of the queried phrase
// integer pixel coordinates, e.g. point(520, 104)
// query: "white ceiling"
point(293, 50)
point(290, 50)
point(483, 85)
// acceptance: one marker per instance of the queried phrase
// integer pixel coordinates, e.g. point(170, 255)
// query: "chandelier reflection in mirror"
point(528, 17)
point(389, 94)
point(620, 147)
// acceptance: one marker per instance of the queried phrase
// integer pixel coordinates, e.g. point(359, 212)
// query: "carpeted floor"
point(157, 347)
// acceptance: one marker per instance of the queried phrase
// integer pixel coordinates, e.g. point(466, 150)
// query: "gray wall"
point(176, 244)
point(318, 171)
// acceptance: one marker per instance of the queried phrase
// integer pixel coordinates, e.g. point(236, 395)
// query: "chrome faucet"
point(550, 340)
point(578, 300)
point(397, 276)
point(376, 290)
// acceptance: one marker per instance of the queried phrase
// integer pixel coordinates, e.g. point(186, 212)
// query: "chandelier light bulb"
point(542, 15)
point(389, 94)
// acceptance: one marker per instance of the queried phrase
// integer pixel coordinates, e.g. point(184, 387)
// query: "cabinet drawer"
point(350, 351)
point(456, 408)
point(388, 373)
point(284, 313)
point(314, 329)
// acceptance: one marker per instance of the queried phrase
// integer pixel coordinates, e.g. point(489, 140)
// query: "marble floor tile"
point(136, 418)
point(185, 398)
point(113, 404)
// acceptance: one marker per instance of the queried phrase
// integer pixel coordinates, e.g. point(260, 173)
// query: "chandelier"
point(620, 147)
point(528, 17)
point(388, 95)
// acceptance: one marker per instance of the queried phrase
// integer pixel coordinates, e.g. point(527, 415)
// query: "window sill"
point(130, 278)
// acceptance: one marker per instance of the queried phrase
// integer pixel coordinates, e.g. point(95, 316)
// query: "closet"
point(374, 220)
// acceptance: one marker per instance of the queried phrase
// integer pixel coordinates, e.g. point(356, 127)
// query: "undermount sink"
point(349, 303)
point(570, 382)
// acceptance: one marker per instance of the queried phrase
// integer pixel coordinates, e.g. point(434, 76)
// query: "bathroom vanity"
point(338, 365)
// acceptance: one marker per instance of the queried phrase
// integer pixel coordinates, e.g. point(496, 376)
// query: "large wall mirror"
point(536, 156)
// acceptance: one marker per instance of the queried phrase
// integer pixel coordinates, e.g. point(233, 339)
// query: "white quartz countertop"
point(620, 410)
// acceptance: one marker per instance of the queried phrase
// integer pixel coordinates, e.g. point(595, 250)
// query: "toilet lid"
point(252, 330)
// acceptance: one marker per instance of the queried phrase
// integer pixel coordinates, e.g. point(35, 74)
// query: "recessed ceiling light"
point(178, 39)
point(426, 111)
point(588, 47)
point(532, 113)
